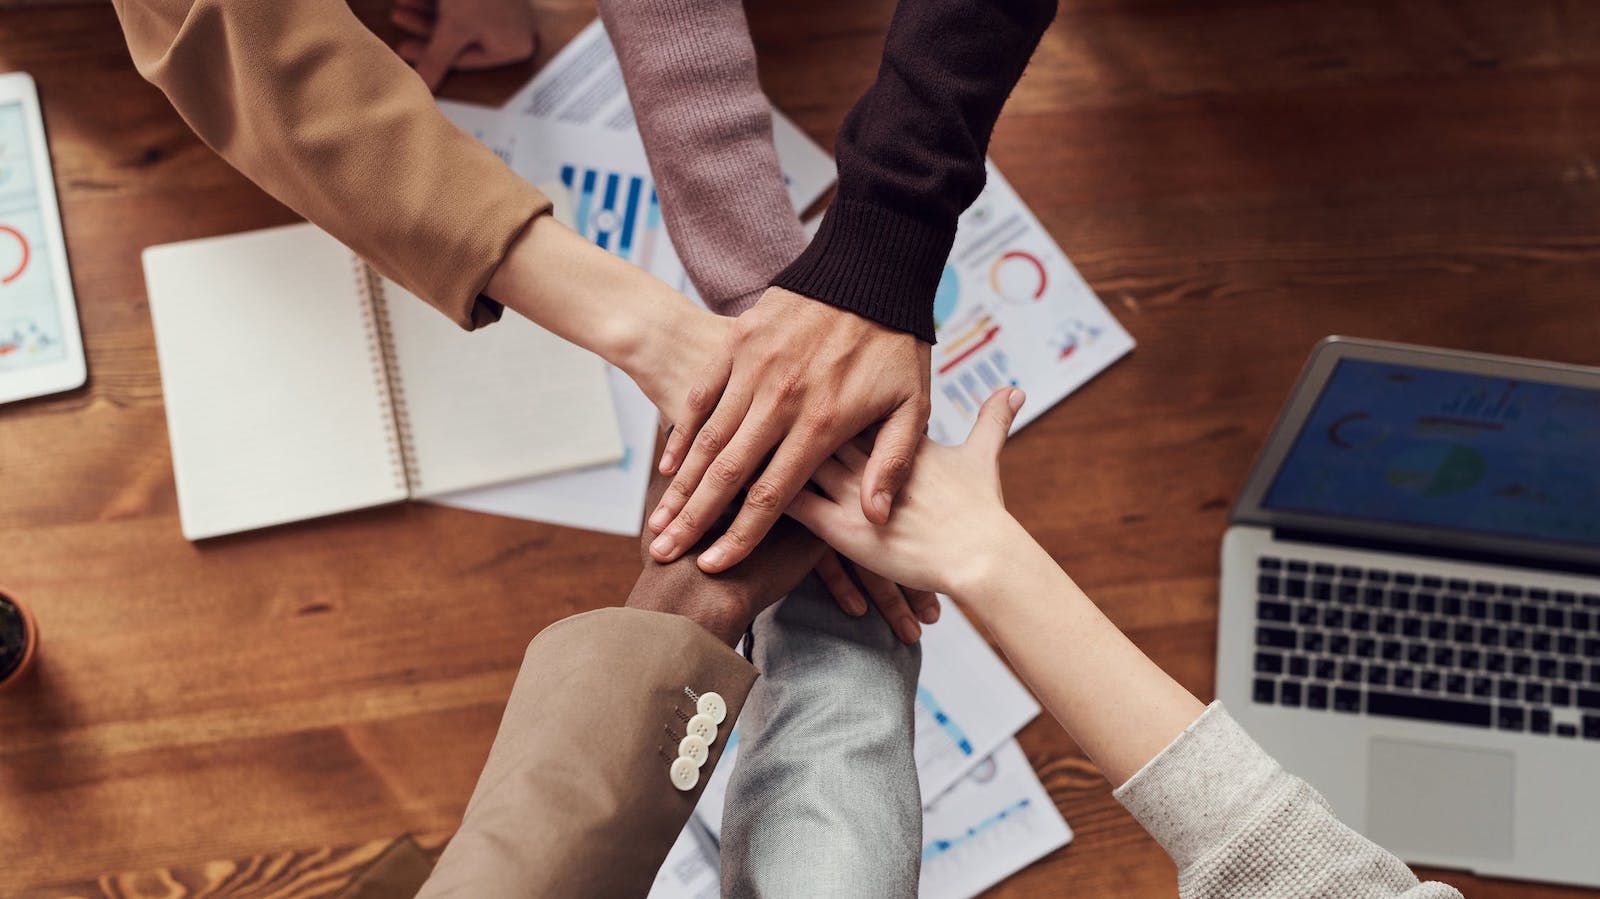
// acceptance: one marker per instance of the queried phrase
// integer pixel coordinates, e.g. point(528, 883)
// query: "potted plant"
point(19, 639)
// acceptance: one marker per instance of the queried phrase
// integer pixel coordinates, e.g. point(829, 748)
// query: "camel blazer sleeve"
point(300, 97)
point(576, 798)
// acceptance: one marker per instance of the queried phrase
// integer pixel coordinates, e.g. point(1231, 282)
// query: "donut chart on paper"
point(9, 234)
point(1018, 276)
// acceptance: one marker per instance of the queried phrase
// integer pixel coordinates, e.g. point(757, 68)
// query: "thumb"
point(994, 421)
point(440, 54)
point(889, 467)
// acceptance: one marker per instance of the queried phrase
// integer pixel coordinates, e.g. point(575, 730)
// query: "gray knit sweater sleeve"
point(1238, 825)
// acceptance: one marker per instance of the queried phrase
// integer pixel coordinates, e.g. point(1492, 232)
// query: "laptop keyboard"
point(1404, 645)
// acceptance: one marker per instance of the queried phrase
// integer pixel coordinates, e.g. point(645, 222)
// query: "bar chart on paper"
point(618, 212)
point(996, 821)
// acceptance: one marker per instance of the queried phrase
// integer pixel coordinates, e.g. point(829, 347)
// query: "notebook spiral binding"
point(386, 377)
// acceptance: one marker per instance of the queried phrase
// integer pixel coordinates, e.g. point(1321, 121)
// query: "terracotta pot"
point(12, 612)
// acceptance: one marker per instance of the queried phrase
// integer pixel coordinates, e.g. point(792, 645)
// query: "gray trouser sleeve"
point(824, 798)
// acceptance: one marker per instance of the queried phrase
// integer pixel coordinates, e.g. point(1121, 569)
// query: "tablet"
point(41, 350)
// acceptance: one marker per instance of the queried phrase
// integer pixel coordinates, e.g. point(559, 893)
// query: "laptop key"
point(1275, 638)
point(1427, 708)
point(1316, 697)
point(1405, 678)
point(1533, 692)
point(1528, 614)
point(1378, 675)
point(1294, 588)
point(1428, 682)
point(1268, 585)
point(1488, 635)
point(1539, 721)
point(1400, 600)
point(1339, 644)
point(1509, 717)
point(1346, 700)
point(1469, 659)
point(1588, 699)
point(1477, 608)
point(1507, 689)
point(1494, 662)
point(1311, 641)
point(1269, 663)
point(1299, 666)
point(1566, 730)
point(1269, 563)
point(1265, 691)
point(1482, 687)
point(1417, 653)
point(1450, 605)
point(1455, 683)
point(1298, 567)
point(1502, 611)
point(1377, 575)
point(1540, 641)
point(1321, 591)
point(1425, 602)
point(1591, 727)
point(1405, 579)
point(1273, 611)
point(1350, 672)
point(1325, 669)
point(1366, 647)
point(1561, 695)
point(1289, 693)
point(1322, 569)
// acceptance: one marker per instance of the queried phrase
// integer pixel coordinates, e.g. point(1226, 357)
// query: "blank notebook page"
point(507, 401)
point(272, 393)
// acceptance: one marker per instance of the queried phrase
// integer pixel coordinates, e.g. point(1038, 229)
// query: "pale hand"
point(798, 380)
point(950, 525)
point(463, 34)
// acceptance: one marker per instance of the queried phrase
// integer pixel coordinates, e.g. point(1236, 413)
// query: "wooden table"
point(1235, 180)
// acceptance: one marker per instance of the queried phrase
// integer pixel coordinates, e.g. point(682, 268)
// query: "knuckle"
point(737, 539)
point(725, 473)
point(700, 399)
point(709, 440)
point(790, 387)
point(688, 522)
point(764, 497)
point(896, 467)
point(820, 423)
point(680, 490)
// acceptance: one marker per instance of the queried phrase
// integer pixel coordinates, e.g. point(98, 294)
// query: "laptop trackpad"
point(1439, 800)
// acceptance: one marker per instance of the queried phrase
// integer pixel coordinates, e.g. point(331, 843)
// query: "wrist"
point(998, 548)
point(658, 590)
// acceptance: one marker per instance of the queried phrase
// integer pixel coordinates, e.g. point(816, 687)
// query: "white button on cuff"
point(685, 774)
point(694, 749)
point(703, 727)
point(712, 706)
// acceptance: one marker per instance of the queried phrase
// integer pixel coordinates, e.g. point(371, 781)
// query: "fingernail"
point(662, 546)
point(659, 518)
point(880, 502)
point(667, 461)
point(858, 607)
point(1016, 398)
point(714, 556)
point(908, 630)
point(930, 615)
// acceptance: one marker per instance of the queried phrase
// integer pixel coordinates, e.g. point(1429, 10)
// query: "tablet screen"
point(30, 314)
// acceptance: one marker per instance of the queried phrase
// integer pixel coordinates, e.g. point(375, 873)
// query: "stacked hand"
point(918, 546)
point(797, 379)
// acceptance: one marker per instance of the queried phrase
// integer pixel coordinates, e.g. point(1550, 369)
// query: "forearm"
point(1114, 701)
point(585, 295)
point(300, 97)
point(707, 128)
point(911, 156)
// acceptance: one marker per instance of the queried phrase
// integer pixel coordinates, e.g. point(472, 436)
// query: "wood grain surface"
point(1236, 180)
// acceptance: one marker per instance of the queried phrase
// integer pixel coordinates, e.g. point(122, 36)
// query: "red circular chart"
point(6, 231)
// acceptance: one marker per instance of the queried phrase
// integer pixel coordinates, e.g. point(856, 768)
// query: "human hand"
point(801, 379)
point(902, 607)
point(950, 526)
point(725, 604)
point(463, 34)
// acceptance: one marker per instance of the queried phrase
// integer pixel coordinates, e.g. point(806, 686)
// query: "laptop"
point(1411, 604)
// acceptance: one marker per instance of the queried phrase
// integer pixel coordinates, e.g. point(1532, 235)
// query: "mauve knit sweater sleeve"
point(1239, 826)
point(911, 156)
point(690, 69)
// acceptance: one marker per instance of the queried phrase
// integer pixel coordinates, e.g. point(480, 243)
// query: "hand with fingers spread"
point(463, 34)
point(802, 378)
point(919, 547)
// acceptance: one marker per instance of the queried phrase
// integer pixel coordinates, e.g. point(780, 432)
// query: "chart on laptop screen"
point(1448, 449)
point(30, 323)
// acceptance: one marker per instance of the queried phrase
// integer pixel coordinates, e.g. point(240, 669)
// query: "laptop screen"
point(1446, 449)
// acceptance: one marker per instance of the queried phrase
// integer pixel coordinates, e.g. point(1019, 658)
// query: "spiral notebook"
point(300, 383)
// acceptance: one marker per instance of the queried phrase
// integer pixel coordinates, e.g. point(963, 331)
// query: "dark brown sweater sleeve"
point(911, 155)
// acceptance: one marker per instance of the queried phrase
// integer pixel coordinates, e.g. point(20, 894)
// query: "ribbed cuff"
point(875, 262)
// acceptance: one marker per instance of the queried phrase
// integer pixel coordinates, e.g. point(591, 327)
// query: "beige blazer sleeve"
point(576, 799)
point(306, 102)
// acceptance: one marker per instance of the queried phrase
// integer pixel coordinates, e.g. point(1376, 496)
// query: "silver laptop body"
point(1410, 607)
